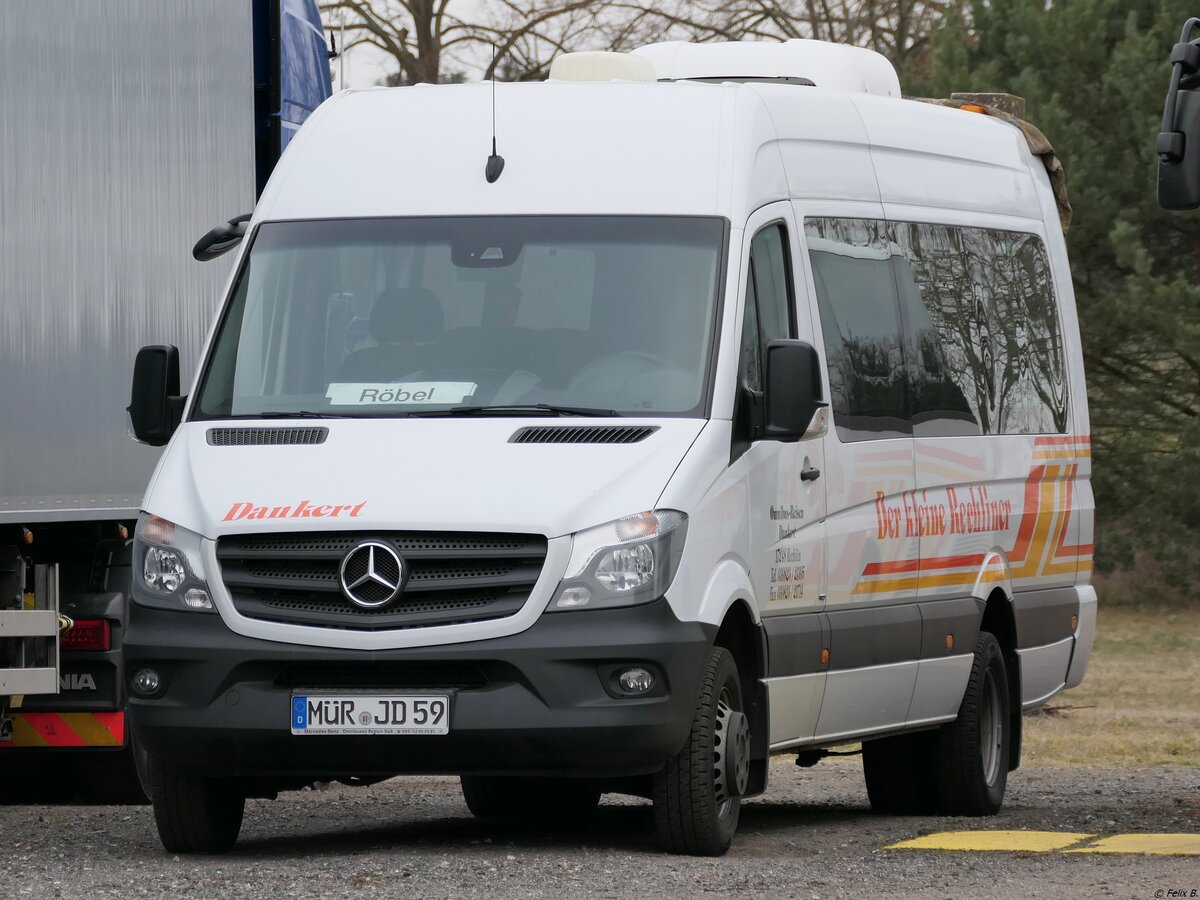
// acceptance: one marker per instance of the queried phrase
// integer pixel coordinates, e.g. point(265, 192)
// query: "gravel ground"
point(810, 836)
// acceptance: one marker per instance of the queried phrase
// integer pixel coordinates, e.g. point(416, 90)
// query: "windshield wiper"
point(517, 409)
point(298, 414)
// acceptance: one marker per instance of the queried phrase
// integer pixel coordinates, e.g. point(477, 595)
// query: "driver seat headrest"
point(411, 315)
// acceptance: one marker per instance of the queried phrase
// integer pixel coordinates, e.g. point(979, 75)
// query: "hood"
point(418, 474)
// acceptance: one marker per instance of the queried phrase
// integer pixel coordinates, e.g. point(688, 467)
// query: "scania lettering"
point(753, 422)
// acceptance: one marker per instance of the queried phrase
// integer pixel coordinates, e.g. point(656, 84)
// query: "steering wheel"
point(609, 372)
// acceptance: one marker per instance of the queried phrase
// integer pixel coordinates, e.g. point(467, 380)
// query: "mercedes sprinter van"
point(726, 404)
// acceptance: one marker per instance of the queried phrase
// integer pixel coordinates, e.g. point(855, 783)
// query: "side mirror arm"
point(220, 240)
point(1179, 164)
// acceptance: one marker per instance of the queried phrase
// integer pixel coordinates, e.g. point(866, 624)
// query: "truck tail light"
point(88, 634)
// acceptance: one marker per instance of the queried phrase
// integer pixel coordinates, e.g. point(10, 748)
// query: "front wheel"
point(193, 814)
point(972, 771)
point(698, 794)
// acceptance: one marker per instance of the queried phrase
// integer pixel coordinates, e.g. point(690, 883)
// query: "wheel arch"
point(999, 620)
point(746, 639)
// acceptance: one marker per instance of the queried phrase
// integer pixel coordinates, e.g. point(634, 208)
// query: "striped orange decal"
point(74, 729)
point(1040, 546)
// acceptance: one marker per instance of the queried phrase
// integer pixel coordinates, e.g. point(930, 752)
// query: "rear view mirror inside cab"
point(480, 250)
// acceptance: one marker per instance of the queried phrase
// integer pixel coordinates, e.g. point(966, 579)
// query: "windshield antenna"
point(495, 163)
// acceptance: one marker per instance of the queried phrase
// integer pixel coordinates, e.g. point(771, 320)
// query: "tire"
point(900, 774)
point(193, 814)
point(531, 799)
point(113, 778)
point(697, 795)
point(972, 771)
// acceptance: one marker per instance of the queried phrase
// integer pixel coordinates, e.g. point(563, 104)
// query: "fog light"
point(146, 682)
point(635, 681)
point(573, 597)
point(197, 599)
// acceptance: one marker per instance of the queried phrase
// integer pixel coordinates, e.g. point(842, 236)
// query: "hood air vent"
point(582, 434)
point(263, 437)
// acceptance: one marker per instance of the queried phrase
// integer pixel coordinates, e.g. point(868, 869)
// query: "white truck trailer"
point(128, 129)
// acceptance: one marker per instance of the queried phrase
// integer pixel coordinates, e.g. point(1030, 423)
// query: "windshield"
point(388, 317)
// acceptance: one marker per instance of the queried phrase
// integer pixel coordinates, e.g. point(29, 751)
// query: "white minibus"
point(717, 403)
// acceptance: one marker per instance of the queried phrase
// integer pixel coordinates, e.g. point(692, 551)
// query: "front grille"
point(453, 577)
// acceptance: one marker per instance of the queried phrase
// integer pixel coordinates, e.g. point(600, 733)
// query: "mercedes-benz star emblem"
point(372, 575)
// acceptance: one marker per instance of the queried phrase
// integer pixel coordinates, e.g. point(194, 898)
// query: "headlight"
point(168, 570)
point(629, 561)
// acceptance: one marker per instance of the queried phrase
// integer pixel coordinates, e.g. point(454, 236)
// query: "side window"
point(946, 335)
point(852, 262)
point(984, 334)
point(769, 302)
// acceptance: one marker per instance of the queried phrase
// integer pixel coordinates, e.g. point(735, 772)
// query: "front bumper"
point(530, 703)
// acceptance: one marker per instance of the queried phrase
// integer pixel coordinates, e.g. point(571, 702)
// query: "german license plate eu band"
point(370, 714)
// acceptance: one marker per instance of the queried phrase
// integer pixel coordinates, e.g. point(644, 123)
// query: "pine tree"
point(1094, 74)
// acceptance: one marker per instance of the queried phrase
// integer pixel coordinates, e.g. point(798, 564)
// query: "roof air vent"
point(601, 65)
point(840, 67)
point(582, 434)
point(266, 437)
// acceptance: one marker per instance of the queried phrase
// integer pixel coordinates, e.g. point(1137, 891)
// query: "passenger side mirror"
point(1178, 144)
point(221, 239)
point(793, 389)
point(155, 406)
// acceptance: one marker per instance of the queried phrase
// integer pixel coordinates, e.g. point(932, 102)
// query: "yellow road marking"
point(1050, 841)
point(1157, 844)
point(1032, 841)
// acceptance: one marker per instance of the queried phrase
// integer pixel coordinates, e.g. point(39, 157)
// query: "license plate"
point(370, 714)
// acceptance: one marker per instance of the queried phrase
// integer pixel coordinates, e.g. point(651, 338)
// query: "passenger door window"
point(769, 314)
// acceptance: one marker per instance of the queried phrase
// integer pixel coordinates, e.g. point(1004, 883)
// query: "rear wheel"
point(193, 814)
point(504, 797)
point(972, 771)
point(698, 794)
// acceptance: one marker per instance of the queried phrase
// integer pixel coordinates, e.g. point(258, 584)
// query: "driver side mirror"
point(155, 406)
point(221, 239)
point(1178, 144)
point(793, 389)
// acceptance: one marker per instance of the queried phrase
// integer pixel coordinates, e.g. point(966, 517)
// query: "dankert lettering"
point(302, 510)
